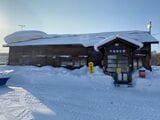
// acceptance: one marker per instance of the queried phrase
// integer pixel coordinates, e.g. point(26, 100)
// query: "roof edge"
point(154, 42)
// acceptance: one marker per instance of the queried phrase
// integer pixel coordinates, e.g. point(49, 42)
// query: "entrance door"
point(118, 67)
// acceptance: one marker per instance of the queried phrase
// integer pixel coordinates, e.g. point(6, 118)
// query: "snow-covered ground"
point(47, 93)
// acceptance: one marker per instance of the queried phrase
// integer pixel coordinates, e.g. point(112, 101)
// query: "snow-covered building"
point(118, 53)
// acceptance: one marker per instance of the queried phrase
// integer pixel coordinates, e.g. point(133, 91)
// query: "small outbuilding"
point(118, 53)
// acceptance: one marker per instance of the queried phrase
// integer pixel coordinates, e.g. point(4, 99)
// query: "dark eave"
point(154, 42)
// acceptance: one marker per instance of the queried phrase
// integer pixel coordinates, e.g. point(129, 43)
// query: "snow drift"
point(48, 93)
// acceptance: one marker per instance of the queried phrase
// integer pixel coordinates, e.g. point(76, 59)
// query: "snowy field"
point(48, 93)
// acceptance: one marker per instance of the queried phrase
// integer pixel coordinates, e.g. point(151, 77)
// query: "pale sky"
point(79, 16)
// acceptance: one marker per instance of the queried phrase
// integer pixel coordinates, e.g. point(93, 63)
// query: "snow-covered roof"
point(102, 42)
point(91, 39)
point(24, 36)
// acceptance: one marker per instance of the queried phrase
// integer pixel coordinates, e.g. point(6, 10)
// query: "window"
point(140, 63)
point(40, 55)
point(137, 63)
point(66, 63)
point(67, 60)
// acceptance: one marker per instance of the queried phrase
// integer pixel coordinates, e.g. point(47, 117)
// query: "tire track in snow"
point(13, 105)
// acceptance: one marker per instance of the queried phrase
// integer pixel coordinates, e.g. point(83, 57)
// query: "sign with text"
point(117, 50)
point(118, 70)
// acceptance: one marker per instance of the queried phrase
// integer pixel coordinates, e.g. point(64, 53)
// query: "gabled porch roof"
point(109, 39)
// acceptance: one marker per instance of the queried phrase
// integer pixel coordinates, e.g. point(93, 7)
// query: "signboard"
point(117, 50)
point(118, 70)
point(91, 67)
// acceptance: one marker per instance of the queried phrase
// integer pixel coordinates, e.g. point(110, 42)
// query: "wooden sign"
point(118, 70)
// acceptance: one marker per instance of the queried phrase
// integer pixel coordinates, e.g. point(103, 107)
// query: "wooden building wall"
point(143, 54)
point(72, 55)
point(48, 55)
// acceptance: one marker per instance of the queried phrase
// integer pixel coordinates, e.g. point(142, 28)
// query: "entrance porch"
point(118, 57)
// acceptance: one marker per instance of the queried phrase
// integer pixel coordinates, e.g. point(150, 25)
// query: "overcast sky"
point(79, 16)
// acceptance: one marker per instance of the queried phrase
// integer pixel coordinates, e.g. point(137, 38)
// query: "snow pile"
point(151, 82)
point(5, 73)
point(24, 36)
point(47, 93)
point(59, 74)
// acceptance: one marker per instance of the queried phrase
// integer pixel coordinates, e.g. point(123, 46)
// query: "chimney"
point(149, 26)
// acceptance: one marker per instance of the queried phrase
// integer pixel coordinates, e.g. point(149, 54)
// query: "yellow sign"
point(118, 70)
point(91, 67)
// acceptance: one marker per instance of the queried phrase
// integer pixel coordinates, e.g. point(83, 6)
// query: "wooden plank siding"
point(46, 55)
point(55, 55)
point(145, 54)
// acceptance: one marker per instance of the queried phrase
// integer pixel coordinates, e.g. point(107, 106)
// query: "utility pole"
point(22, 27)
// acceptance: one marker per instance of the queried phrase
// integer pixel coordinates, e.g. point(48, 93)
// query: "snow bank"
point(5, 73)
point(47, 93)
point(46, 73)
point(151, 82)
point(24, 36)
